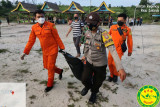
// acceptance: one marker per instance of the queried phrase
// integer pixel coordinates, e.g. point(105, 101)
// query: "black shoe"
point(93, 98)
point(110, 79)
point(60, 75)
point(47, 89)
point(115, 78)
point(84, 91)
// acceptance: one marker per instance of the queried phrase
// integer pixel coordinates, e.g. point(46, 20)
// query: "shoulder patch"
point(130, 33)
point(125, 30)
point(54, 27)
point(107, 39)
point(105, 34)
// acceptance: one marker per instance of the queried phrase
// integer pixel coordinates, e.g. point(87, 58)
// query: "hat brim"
point(92, 22)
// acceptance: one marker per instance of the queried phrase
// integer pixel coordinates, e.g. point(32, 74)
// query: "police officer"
point(97, 40)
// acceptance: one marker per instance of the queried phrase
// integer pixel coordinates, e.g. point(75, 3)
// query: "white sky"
point(93, 2)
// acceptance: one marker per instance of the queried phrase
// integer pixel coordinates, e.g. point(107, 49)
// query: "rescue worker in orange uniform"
point(118, 40)
point(49, 39)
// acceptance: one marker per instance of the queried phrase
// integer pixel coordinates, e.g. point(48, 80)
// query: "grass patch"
point(24, 71)
point(5, 65)
point(71, 85)
point(130, 85)
point(13, 59)
point(32, 97)
point(72, 76)
point(107, 87)
point(31, 102)
point(72, 97)
point(77, 91)
point(43, 82)
point(128, 75)
point(115, 105)
point(24, 63)
point(35, 80)
point(3, 50)
point(72, 105)
point(101, 98)
point(138, 47)
point(39, 51)
point(138, 77)
point(114, 90)
point(65, 69)
point(3, 74)
point(147, 74)
point(20, 80)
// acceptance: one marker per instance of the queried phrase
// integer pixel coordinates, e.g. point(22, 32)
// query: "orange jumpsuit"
point(50, 41)
point(118, 40)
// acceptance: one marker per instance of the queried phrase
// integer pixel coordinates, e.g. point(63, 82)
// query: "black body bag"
point(75, 64)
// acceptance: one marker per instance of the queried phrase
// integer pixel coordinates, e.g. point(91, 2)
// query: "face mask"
point(120, 23)
point(75, 18)
point(92, 27)
point(41, 20)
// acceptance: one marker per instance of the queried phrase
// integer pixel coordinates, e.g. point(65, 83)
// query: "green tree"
point(124, 10)
point(5, 7)
point(6, 4)
point(16, 3)
point(39, 6)
point(158, 4)
point(145, 2)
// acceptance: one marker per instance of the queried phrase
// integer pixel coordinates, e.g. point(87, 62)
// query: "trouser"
point(95, 81)
point(111, 64)
point(0, 29)
point(137, 23)
point(76, 43)
point(110, 24)
point(49, 64)
point(140, 23)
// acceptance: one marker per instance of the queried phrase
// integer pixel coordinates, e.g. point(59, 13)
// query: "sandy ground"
point(142, 69)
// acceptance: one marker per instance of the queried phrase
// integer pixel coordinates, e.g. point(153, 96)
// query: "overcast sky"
point(93, 2)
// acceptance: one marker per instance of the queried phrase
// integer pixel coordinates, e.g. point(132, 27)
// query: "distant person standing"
point(135, 21)
point(54, 19)
point(131, 22)
point(70, 21)
point(110, 21)
point(127, 21)
point(141, 20)
point(7, 18)
point(77, 27)
point(0, 27)
point(138, 21)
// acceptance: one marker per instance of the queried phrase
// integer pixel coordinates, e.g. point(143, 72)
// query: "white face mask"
point(41, 20)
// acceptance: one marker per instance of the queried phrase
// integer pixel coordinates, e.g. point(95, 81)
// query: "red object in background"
point(12, 92)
